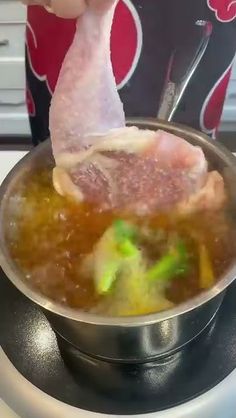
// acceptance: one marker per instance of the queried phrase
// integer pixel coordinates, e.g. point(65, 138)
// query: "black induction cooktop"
point(81, 381)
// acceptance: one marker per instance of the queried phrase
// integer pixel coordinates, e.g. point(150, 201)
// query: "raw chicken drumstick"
point(100, 160)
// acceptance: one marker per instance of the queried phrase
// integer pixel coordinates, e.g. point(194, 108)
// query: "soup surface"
point(114, 263)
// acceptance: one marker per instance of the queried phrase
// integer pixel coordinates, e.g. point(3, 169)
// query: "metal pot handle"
point(178, 76)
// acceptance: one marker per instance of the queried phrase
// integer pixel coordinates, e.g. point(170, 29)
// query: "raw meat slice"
point(211, 196)
point(135, 170)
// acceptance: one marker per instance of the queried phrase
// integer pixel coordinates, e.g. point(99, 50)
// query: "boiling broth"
point(50, 237)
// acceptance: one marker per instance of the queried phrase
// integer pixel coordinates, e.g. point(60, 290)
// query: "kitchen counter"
point(6, 412)
point(7, 160)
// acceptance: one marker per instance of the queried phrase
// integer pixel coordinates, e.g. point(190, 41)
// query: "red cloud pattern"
point(225, 10)
point(212, 108)
point(48, 39)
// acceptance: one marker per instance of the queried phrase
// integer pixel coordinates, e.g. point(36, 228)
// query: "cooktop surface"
point(81, 381)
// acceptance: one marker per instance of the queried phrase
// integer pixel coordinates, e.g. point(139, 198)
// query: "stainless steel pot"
point(134, 339)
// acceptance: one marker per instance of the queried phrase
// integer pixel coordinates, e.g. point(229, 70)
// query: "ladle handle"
point(179, 75)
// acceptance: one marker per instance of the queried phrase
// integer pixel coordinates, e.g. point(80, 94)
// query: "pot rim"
point(14, 274)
